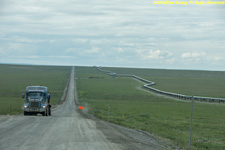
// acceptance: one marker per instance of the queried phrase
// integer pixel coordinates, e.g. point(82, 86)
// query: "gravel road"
point(69, 129)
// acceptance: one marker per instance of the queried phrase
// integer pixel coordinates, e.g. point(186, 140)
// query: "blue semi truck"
point(37, 101)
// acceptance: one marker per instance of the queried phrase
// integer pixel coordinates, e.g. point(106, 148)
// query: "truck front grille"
point(34, 104)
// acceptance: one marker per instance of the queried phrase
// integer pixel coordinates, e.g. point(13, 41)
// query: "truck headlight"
point(25, 106)
point(43, 106)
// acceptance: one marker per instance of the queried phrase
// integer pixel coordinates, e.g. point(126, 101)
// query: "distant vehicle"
point(37, 100)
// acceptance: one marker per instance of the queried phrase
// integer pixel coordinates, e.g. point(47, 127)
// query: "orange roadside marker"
point(81, 107)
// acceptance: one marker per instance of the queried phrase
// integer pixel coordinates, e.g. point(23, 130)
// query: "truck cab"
point(37, 101)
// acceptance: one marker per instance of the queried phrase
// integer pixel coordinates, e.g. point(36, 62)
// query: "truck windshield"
point(35, 94)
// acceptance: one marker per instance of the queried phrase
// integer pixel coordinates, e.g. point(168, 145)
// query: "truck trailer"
point(37, 101)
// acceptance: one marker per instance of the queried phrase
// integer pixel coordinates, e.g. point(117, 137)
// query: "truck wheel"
point(47, 112)
point(26, 113)
point(44, 114)
point(50, 113)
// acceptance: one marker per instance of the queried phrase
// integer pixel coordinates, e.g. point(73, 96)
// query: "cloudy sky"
point(125, 33)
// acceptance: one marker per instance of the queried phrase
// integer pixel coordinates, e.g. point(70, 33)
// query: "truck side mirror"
point(48, 97)
point(23, 95)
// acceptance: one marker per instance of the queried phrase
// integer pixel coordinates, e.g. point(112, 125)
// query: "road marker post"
point(108, 111)
point(191, 121)
point(81, 107)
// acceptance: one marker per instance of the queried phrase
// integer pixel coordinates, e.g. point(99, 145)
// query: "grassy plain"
point(134, 108)
point(197, 83)
point(15, 78)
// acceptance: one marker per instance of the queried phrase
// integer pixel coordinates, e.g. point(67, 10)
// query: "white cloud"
point(16, 49)
point(19, 39)
point(70, 50)
point(154, 54)
point(203, 59)
point(100, 41)
point(80, 40)
point(218, 58)
point(194, 56)
point(94, 50)
point(81, 51)
point(61, 57)
point(119, 50)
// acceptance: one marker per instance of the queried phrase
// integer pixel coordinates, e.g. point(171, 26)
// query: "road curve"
point(67, 129)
